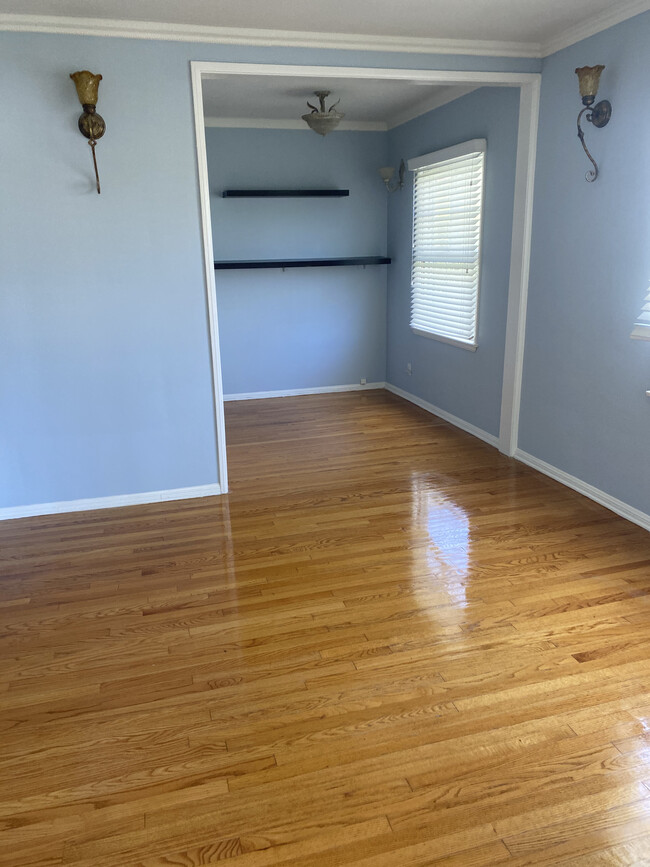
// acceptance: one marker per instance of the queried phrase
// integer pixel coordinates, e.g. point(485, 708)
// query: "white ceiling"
point(281, 100)
point(530, 27)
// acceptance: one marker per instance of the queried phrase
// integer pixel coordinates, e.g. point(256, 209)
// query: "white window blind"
point(447, 222)
point(641, 330)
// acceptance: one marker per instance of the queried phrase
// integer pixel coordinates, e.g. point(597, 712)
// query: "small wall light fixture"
point(598, 115)
point(91, 124)
point(320, 119)
point(386, 173)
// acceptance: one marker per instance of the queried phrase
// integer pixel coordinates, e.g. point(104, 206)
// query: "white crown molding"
point(289, 38)
point(449, 95)
point(92, 503)
point(469, 428)
point(608, 18)
point(293, 392)
point(290, 123)
point(267, 38)
point(595, 494)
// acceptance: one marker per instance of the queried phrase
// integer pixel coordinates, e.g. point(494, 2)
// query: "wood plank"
point(389, 644)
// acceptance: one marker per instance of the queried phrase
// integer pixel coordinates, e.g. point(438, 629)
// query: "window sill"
point(640, 333)
point(452, 341)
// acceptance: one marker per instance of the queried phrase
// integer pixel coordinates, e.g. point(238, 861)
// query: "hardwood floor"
point(388, 645)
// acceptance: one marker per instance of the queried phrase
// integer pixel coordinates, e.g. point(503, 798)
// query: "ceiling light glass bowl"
point(323, 120)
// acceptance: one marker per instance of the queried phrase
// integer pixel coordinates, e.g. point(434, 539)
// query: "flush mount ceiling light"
point(598, 115)
point(323, 120)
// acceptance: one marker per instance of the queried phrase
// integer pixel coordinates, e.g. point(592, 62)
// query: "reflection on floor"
point(389, 645)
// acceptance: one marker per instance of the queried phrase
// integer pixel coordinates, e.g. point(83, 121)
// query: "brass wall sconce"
point(323, 120)
point(91, 124)
point(386, 174)
point(598, 115)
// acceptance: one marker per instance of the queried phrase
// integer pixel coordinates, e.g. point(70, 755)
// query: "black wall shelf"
point(300, 263)
point(282, 194)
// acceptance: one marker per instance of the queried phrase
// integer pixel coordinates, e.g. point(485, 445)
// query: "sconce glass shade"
point(87, 86)
point(387, 173)
point(588, 80)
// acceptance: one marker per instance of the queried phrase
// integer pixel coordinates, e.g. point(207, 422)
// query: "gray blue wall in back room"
point(465, 384)
point(308, 327)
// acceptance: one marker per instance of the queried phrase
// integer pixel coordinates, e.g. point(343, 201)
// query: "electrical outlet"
point(363, 380)
point(409, 368)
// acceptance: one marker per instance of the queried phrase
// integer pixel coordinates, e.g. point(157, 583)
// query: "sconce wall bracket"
point(598, 115)
point(91, 125)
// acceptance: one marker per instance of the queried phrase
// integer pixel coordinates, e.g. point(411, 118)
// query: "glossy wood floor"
point(388, 646)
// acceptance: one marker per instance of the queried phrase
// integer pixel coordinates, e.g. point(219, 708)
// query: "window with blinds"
point(641, 330)
point(447, 218)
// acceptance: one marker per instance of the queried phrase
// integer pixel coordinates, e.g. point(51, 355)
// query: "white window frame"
point(426, 161)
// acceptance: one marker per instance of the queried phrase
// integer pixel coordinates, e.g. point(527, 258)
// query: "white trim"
point(437, 101)
point(461, 344)
point(587, 490)
point(450, 94)
point(522, 231)
point(640, 332)
point(114, 502)
point(474, 146)
point(291, 123)
point(614, 14)
point(126, 29)
point(208, 262)
point(488, 438)
point(291, 392)
point(529, 82)
point(215, 69)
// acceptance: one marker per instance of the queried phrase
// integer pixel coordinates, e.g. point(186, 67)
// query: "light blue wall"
point(104, 358)
point(584, 408)
point(466, 384)
point(304, 328)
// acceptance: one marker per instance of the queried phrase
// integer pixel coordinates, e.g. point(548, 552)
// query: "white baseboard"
point(636, 516)
point(292, 392)
point(447, 416)
point(108, 502)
